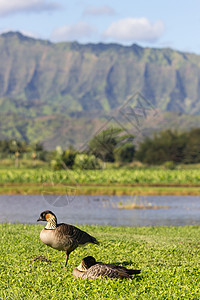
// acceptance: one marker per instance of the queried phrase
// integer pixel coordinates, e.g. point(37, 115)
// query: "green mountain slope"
point(47, 88)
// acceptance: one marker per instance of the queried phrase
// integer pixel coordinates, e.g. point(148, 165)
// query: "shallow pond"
point(182, 210)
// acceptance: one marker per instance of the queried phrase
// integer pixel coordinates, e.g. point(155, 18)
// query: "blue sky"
point(153, 23)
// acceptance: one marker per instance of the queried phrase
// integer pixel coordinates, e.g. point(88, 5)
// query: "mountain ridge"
point(97, 76)
point(40, 79)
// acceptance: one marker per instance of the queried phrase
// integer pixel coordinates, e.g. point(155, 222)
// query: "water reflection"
point(183, 210)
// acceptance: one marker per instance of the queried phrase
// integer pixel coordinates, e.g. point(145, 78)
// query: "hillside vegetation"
point(46, 87)
point(76, 78)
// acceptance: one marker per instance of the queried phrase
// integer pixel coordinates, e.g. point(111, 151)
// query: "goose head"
point(86, 263)
point(50, 218)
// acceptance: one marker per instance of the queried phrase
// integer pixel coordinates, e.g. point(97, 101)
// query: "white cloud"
point(74, 32)
point(8, 7)
point(134, 29)
point(99, 10)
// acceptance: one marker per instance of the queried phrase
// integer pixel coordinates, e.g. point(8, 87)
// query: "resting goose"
point(90, 269)
point(62, 236)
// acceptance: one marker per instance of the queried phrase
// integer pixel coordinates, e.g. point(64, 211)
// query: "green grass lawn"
point(169, 258)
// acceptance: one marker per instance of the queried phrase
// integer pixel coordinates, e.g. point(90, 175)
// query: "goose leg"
point(66, 259)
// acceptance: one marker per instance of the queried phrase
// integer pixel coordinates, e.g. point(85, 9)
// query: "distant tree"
point(107, 141)
point(22, 149)
point(125, 153)
point(167, 146)
point(4, 148)
point(192, 149)
point(38, 152)
point(38, 147)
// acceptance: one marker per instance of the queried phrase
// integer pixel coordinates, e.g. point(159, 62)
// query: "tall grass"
point(107, 176)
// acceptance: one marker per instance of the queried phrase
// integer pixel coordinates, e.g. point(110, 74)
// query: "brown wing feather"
point(102, 270)
point(123, 269)
point(76, 235)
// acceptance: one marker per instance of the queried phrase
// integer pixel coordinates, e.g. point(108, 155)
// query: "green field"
point(124, 181)
point(107, 176)
point(168, 257)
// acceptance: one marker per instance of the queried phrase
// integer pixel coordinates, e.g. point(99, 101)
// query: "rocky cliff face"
point(39, 79)
point(95, 77)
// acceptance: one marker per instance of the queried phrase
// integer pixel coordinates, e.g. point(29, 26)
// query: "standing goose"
point(62, 236)
point(90, 269)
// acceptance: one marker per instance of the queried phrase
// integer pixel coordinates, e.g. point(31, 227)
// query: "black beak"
point(40, 219)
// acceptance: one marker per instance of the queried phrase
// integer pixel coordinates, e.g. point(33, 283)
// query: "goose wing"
point(123, 269)
point(101, 270)
point(74, 234)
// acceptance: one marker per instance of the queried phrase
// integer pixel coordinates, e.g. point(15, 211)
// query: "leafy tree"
point(167, 146)
point(192, 149)
point(107, 141)
point(125, 153)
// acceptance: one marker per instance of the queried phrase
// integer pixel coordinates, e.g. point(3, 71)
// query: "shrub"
point(169, 165)
point(63, 159)
point(86, 162)
point(68, 157)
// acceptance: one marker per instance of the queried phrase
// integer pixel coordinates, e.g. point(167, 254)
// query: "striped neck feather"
point(51, 223)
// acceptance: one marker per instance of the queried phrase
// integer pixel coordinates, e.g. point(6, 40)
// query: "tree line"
point(113, 145)
point(14, 148)
point(171, 146)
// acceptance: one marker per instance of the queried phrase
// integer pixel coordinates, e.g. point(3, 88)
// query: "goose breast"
point(50, 238)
